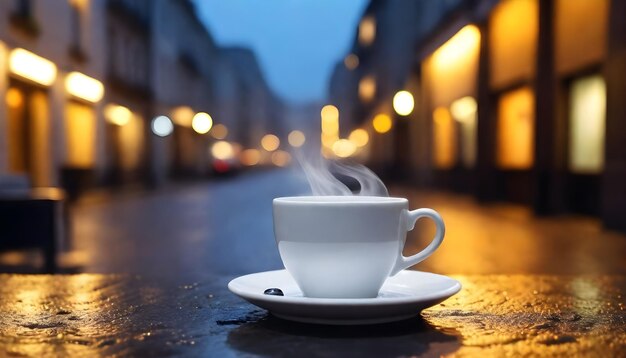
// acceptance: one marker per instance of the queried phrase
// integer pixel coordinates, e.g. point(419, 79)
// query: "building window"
point(516, 126)
point(23, 8)
point(463, 111)
point(367, 88)
point(76, 29)
point(367, 30)
point(22, 17)
point(80, 129)
point(444, 139)
point(587, 113)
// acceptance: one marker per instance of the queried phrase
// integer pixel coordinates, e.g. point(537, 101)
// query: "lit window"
point(516, 123)
point(463, 110)
point(587, 122)
point(367, 31)
point(80, 129)
point(514, 27)
point(367, 88)
point(444, 139)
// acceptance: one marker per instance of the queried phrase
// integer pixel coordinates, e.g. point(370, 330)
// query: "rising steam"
point(322, 177)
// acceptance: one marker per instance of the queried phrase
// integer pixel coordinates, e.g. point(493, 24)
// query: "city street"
point(225, 227)
point(157, 265)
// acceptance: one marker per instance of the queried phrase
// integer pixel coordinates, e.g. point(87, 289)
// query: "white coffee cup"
point(347, 246)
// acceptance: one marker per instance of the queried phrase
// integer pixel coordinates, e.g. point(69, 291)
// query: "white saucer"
point(403, 296)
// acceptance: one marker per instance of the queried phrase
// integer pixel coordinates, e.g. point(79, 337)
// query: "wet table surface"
point(123, 315)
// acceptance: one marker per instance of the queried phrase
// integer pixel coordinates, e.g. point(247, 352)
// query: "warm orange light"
point(461, 44)
point(513, 33)
point(452, 71)
point(79, 3)
point(296, 138)
point(444, 139)
point(367, 30)
point(30, 66)
point(222, 150)
point(14, 98)
point(359, 137)
point(182, 116)
point(250, 157)
point(202, 123)
point(382, 123)
point(118, 115)
point(281, 158)
point(330, 120)
point(351, 61)
point(367, 88)
point(464, 109)
point(83, 86)
point(219, 131)
point(344, 148)
point(270, 142)
point(516, 123)
point(80, 135)
point(403, 103)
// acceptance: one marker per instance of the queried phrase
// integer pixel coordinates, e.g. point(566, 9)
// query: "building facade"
point(120, 92)
point(515, 100)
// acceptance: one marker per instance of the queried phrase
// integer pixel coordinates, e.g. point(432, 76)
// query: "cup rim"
point(339, 200)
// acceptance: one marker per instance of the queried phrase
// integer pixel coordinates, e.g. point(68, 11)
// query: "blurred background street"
point(225, 227)
point(142, 143)
point(149, 137)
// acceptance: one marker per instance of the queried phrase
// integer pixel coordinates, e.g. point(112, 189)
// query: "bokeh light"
point(281, 158)
point(30, 66)
point(182, 116)
point(403, 103)
point(84, 87)
point(344, 148)
point(118, 115)
point(367, 88)
point(162, 126)
point(351, 61)
point(222, 150)
point(382, 123)
point(250, 157)
point(202, 122)
point(359, 137)
point(219, 131)
point(270, 142)
point(296, 138)
point(14, 98)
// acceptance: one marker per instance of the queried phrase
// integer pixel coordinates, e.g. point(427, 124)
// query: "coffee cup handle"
point(410, 218)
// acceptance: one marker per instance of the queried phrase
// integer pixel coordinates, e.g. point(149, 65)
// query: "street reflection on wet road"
point(226, 227)
point(494, 315)
point(565, 294)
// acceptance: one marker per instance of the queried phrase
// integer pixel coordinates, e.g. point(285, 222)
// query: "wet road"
point(226, 228)
point(532, 286)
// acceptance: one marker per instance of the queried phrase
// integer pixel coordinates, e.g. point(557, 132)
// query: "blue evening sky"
point(297, 42)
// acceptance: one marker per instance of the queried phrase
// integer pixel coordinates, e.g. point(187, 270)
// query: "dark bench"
point(32, 218)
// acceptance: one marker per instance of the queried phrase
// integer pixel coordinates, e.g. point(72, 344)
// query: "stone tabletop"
point(102, 315)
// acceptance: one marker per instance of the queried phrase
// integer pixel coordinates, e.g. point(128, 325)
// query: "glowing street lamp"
point(382, 123)
point(83, 86)
point(30, 66)
point(118, 115)
point(270, 142)
point(403, 103)
point(162, 126)
point(296, 138)
point(202, 123)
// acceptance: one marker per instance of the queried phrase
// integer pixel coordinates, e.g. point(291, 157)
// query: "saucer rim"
point(373, 301)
